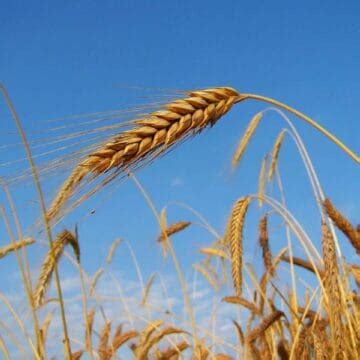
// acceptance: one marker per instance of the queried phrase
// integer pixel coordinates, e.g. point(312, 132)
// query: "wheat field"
point(292, 305)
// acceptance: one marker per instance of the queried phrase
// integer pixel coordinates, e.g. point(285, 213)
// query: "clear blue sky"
point(62, 58)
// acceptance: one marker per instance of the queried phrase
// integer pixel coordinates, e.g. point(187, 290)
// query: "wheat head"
point(151, 136)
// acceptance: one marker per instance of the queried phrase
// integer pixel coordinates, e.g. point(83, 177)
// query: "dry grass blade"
point(249, 132)
point(5, 250)
point(264, 243)
point(112, 250)
point(151, 135)
point(275, 154)
point(173, 229)
point(332, 289)
point(241, 301)
point(147, 289)
point(302, 263)
point(201, 352)
point(222, 357)
point(233, 239)
point(52, 257)
point(343, 224)
point(264, 325)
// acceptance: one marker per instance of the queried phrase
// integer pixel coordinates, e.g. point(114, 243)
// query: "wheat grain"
point(233, 239)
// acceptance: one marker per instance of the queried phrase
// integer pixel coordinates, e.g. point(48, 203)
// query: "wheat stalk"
point(52, 257)
point(5, 250)
point(151, 135)
point(233, 239)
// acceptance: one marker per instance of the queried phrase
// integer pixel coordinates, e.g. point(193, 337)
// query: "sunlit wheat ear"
point(249, 132)
point(275, 154)
point(332, 288)
point(147, 290)
point(233, 239)
point(5, 250)
point(264, 243)
point(151, 135)
point(173, 229)
point(63, 239)
point(343, 224)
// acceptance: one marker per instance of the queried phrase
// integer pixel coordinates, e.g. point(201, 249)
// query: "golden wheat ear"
point(151, 135)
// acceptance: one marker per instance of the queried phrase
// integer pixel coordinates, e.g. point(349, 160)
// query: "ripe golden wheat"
point(151, 136)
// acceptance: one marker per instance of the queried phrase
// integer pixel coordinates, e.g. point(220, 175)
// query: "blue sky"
point(65, 58)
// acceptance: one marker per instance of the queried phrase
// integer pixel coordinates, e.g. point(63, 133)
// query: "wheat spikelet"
point(249, 132)
point(95, 280)
point(343, 224)
point(150, 136)
point(112, 250)
point(121, 338)
point(147, 289)
point(52, 257)
point(264, 325)
point(88, 329)
point(261, 186)
point(214, 252)
point(104, 340)
point(233, 239)
point(147, 341)
point(222, 356)
point(173, 229)
point(204, 271)
point(332, 289)
point(201, 352)
point(172, 352)
point(275, 154)
point(241, 301)
point(264, 243)
point(5, 250)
